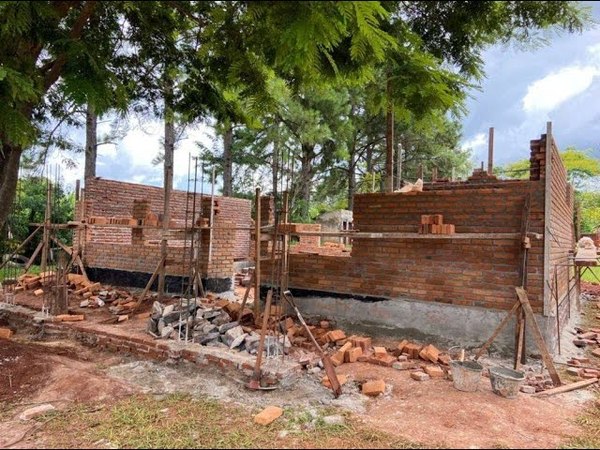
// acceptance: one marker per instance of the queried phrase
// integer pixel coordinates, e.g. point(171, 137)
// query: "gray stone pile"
point(208, 325)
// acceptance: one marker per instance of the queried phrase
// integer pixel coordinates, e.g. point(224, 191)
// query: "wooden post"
point(23, 244)
point(537, 335)
point(212, 217)
point(168, 180)
point(420, 172)
point(257, 254)
point(399, 167)
point(284, 256)
point(434, 175)
point(77, 187)
point(491, 152)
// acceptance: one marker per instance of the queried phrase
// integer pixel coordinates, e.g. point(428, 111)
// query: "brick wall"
point(471, 272)
point(138, 249)
point(561, 229)
point(111, 198)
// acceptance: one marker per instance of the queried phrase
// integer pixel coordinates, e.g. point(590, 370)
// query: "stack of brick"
point(434, 224)
point(537, 158)
point(481, 175)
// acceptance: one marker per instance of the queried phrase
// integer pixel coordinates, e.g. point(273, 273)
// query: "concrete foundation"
point(173, 284)
point(445, 325)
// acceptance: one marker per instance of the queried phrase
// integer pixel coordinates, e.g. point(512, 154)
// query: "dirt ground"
point(430, 413)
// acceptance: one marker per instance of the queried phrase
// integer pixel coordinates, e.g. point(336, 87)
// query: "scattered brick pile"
point(434, 224)
point(536, 382)
point(582, 367)
point(585, 338)
point(95, 295)
point(35, 283)
point(424, 360)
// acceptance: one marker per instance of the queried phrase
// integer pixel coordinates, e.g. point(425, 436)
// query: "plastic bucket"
point(506, 382)
point(466, 375)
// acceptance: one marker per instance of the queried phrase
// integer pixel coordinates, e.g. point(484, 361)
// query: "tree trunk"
point(275, 166)
point(10, 157)
point(168, 178)
point(389, 141)
point(228, 160)
point(351, 176)
point(91, 142)
point(306, 178)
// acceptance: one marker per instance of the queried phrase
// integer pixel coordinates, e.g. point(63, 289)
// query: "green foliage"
point(589, 204)
point(30, 208)
point(580, 165)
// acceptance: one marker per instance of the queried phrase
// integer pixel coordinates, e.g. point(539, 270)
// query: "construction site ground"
point(111, 400)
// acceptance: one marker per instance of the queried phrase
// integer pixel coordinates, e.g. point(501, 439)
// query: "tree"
point(30, 208)
point(580, 165)
point(89, 52)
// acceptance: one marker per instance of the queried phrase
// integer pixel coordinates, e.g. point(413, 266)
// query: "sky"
point(522, 91)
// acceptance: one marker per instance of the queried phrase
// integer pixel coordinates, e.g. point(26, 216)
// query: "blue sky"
point(522, 90)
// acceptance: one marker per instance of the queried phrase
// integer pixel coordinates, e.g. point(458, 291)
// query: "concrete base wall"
point(445, 325)
point(173, 284)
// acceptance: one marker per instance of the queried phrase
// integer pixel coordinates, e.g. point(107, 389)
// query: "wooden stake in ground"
point(257, 254)
point(148, 286)
point(245, 299)
point(255, 383)
point(327, 363)
point(23, 244)
point(537, 335)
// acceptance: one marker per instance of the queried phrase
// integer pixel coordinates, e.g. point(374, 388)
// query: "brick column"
point(141, 208)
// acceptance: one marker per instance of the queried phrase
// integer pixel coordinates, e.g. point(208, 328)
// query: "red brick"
point(373, 388)
point(353, 354)
point(268, 415)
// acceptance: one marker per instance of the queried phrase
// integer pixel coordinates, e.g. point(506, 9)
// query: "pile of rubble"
point(244, 278)
point(95, 295)
point(35, 283)
point(585, 338)
point(424, 361)
point(212, 323)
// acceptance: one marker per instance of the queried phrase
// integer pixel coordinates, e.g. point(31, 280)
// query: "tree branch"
point(55, 70)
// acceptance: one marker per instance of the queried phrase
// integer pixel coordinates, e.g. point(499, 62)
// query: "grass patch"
point(589, 277)
point(590, 425)
point(14, 272)
point(179, 421)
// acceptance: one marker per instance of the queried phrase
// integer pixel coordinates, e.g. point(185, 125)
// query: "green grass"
point(589, 277)
point(179, 421)
point(590, 425)
point(13, 272)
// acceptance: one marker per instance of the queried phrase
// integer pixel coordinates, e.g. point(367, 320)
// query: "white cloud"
point(476, 142)
point(546, 94)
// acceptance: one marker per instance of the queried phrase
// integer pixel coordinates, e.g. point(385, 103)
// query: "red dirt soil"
point(433, 412)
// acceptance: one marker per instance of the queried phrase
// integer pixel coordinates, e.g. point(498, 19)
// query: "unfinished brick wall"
point(111, 198)
point(138, 249)
point(562, 232)
point(472, 272)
